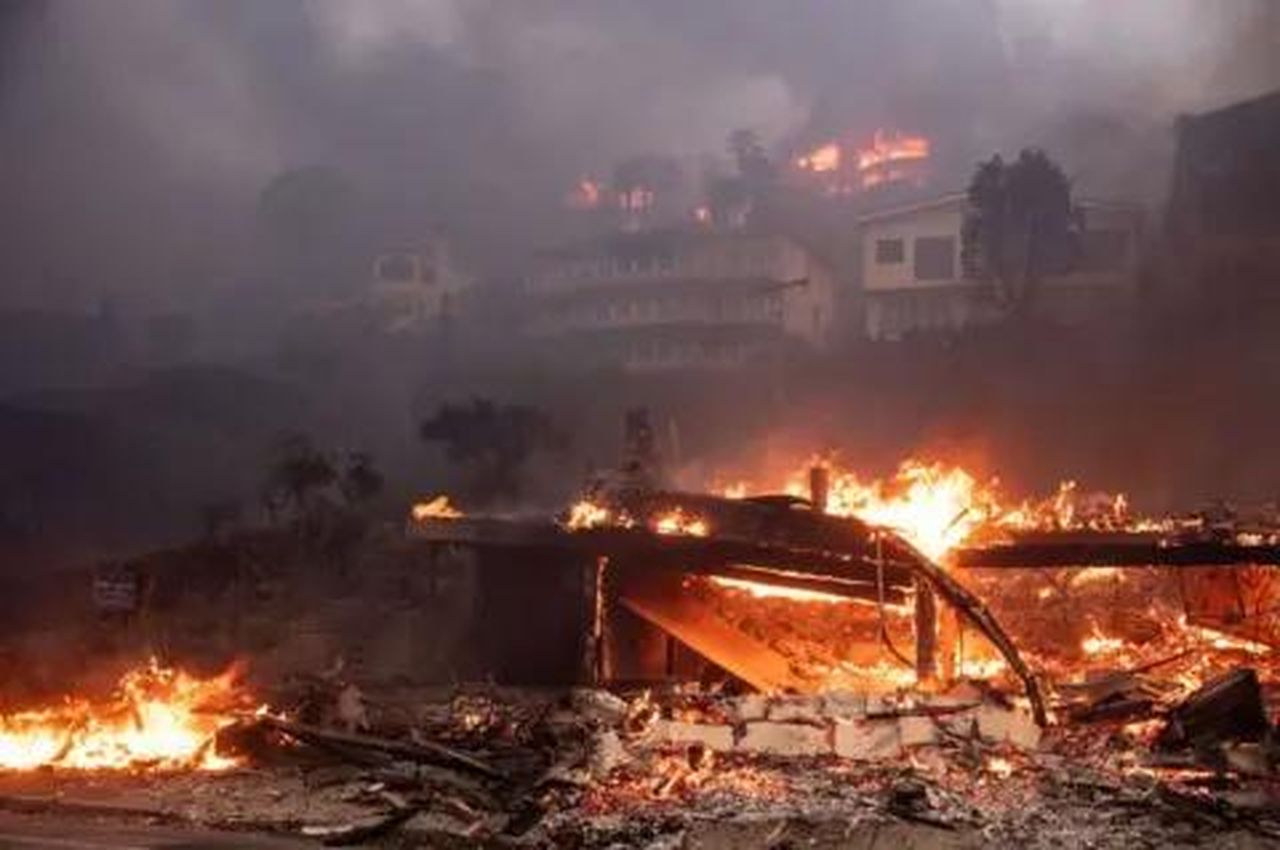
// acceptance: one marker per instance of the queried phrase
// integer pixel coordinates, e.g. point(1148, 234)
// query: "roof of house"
point(901, 210)
point(962, 198)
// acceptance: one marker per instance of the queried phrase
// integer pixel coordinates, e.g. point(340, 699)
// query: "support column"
point(926, 633)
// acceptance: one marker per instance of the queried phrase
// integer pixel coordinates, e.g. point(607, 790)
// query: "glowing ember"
point(1221, 640)
point(679, 522)
point(999, 766)
point(158, 718)
point(1099, 644)
point(760, 590)
point(436, 508)
point(587, 514)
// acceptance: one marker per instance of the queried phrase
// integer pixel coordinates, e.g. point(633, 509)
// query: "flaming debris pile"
point(1065, 705)
point(157, 718)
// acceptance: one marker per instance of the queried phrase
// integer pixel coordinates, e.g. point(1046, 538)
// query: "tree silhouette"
point(733, 199)
point(494, 441)
point(1021, 225)
point(299, 473)
point(361, 482)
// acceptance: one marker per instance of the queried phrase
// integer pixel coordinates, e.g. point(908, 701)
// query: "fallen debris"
point(1229, 708)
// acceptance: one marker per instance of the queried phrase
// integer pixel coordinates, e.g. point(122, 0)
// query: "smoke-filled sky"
point(135, 135)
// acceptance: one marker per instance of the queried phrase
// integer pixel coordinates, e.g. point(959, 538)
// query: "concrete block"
point(712, 736)
point(917, 731)
point(785, 739)
point(867, 740)
point(792, 709)
point(748, 707)
point(1003, 725)
point(844, 704)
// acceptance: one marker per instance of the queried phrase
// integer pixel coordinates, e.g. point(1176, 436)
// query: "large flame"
point(892, 147)
point(157, 718)
point(934, 506)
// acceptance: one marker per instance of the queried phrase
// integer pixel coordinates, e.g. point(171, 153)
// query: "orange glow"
point(892, 147)
point(760, 590)
point(158, 718)
point(937, 507)
point(436, 508)
point(820, 159)
point(999, 766)
point(1221, 640)
point(587, 514)
point(933, 506)
point(586, 195)
point(678, 522)
point(1099, 644)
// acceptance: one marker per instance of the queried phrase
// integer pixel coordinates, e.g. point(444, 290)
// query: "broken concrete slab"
point(785, 739)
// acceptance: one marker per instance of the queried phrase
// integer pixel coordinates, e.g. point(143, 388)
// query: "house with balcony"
point(680, 299)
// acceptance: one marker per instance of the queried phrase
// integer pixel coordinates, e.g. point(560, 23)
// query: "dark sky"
point(136, 134)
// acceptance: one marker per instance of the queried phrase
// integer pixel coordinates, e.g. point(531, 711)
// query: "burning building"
point(678, 299)
point(915, 278)
point(887, 158)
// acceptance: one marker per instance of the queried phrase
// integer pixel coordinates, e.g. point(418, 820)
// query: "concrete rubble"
point(695, 768)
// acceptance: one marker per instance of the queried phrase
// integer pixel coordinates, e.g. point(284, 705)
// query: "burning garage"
point(316, 527)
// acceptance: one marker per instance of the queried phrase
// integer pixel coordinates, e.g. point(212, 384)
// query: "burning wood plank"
point(682, 617)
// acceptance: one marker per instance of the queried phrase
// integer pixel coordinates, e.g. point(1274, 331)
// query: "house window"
point(935, 258)
point(889, 252)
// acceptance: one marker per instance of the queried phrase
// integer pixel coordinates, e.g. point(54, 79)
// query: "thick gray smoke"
point(136, 134)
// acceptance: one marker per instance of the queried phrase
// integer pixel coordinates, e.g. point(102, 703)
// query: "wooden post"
point(926, 633)
point(949, 638)
point(593, 662)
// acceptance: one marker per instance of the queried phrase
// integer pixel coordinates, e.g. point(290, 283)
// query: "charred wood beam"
point(1145, 553)
point(801, 541)
point(683, 552)
point(974, 610)
point(863, 591)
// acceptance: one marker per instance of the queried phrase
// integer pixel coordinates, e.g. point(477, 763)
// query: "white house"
point(914, 278)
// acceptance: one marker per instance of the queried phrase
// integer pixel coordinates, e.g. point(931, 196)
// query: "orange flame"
point(678, 522)
point(158, 718)
point(820, 159)
point(436, 508)
point(587, 514)
point(891, 147)
point(935, 507)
